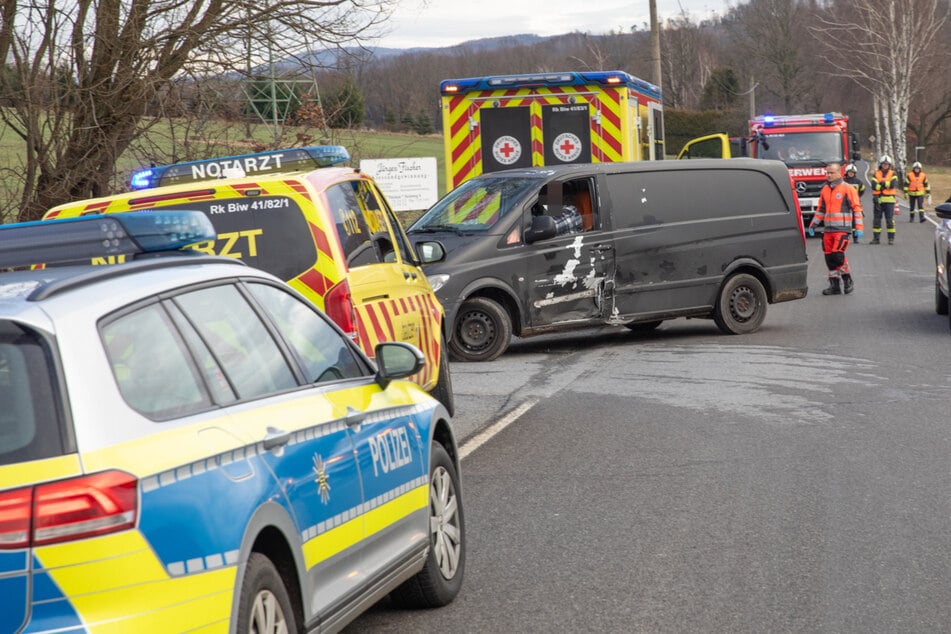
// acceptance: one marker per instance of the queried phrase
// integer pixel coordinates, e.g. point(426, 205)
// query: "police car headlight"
point(437, 281)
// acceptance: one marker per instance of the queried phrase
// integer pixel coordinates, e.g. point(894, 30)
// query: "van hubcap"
point(476, 330)
point(742, 304)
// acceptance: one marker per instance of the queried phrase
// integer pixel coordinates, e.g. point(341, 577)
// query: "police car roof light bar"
point(290, 160)
point(77, 240)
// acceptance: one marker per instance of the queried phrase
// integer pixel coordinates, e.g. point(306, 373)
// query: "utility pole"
point(655, 45)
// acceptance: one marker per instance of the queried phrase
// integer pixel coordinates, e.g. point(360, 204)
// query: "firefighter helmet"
point(916, 165)
point(850, 168)
point(885, 159)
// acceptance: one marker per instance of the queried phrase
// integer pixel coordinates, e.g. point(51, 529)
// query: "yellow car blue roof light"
point(98, 236)
point(289, 160)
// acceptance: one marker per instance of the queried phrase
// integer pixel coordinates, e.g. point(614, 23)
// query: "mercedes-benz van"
point(657, 240)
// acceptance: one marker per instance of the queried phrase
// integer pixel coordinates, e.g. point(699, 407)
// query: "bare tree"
point(887, 43)
point(687, 60)
point(81, 74)
point(772, 41)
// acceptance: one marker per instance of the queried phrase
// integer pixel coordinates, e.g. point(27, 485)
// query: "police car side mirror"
point(943, 210)
point(430, 252)
point(543, 227)
point(397, 360)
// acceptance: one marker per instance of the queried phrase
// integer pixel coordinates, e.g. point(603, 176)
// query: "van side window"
point(571, 204)
point(663, 197)
point(376, 204)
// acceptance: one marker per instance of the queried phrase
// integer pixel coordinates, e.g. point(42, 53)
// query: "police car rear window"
point(30, 423)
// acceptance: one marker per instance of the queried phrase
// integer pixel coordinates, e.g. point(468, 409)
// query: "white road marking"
point(483, 437)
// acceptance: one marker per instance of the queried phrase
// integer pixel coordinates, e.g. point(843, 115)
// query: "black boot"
point(848, 284)
point(875, 239)
point(891, 238)
point(922, 217)
point(911, 217)
point(834, 288)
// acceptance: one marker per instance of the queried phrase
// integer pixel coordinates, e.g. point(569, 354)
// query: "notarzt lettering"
point(248, 164)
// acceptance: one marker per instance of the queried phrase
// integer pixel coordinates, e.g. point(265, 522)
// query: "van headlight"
point(437, 281)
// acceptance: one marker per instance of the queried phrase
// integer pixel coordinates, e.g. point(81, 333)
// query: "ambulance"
point(511, 121)
point(325, 229)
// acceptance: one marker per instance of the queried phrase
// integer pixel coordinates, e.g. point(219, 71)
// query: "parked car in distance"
point(188, 444)
point(327, 231)
point(656, 240)
point(942, 259)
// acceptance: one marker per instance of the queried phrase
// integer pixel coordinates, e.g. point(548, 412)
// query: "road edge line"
point(485, 435)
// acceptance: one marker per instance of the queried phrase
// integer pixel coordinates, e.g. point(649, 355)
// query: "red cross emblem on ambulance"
point(506, 150)
point(566, 147)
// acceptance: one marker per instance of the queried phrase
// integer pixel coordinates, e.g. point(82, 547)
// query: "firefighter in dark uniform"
point(916, 188)
point(884, 189)
point(840, 211)
point(858, 184)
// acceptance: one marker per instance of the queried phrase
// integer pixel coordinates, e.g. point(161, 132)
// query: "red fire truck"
point(806, 143)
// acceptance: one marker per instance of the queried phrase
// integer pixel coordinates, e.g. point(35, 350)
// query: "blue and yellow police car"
point(187, 444)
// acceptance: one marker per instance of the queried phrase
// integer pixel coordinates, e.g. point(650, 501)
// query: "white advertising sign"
point(409, 184)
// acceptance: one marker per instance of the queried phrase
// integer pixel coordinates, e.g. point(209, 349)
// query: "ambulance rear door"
point(506, 137)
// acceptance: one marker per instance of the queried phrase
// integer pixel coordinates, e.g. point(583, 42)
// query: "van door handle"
point(602, 248)
point(276, 438)
point(354, 416)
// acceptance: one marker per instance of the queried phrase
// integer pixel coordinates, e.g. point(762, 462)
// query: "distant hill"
point(342, 58)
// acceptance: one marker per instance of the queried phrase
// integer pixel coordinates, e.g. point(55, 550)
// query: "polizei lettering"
point(215, 169)
point(807, 171)
point(390, 450)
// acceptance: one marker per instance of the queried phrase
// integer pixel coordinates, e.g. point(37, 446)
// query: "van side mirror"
point(543, 227)
point(943, 210)
point(430, 252)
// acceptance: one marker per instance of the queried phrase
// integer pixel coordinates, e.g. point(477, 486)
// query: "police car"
point(325, 230)
point(187, 444)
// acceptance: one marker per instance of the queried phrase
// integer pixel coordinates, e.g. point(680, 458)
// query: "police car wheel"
point(438, 583)
point(265, 606)
point(940, 299)
point(443, 390)
point(482, 330)
point(643, 326)
point(741, 306)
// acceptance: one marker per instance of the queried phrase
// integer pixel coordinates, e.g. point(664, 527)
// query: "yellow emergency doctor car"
point(188, 445)
point(327, 231)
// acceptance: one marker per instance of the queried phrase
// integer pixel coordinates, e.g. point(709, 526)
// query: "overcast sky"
point(433, 23)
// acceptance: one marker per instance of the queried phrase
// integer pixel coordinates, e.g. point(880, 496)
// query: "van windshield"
point(476, 205)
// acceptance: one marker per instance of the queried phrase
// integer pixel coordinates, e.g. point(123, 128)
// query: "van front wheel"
point(481, 332)
point(741, 307)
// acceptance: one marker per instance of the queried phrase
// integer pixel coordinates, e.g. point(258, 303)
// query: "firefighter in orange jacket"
point(840, 211)
point(884, 188)
point(916, 188)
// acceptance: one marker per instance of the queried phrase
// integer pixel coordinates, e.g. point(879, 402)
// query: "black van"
point(506, 253)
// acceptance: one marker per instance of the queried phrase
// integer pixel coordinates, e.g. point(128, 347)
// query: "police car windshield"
point(805, 147)
point(476, 205)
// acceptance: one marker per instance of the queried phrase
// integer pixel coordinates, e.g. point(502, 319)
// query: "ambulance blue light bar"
point(75, 240)
point(614, 78)
point(290, 160)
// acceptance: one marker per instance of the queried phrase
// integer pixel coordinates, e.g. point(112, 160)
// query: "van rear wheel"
point(482, 330)
point(741, 306)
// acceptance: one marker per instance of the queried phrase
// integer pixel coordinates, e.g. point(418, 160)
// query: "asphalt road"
point(795, 479)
